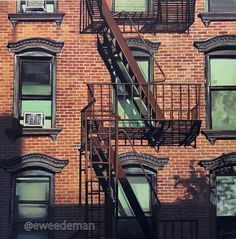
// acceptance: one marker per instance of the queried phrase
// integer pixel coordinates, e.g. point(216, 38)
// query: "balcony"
point(124, 108)
point(159, 16)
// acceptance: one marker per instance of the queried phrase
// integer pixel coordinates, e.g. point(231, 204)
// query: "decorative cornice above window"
point(223, 163)
point(138, 43)
point(216, 42)
point(35, 43)
point(33, 160)
point(148, 161)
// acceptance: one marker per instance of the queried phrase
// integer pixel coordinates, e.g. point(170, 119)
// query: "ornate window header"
point(223, 163)
point(149, 162)
point(214, 43)
point(35, 161)
point(35, 43)
point(138, 44)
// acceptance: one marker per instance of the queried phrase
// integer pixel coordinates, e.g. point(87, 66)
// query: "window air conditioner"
point(34, 119)
point(35, 5)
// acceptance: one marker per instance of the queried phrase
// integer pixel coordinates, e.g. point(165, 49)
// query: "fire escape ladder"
point(121, 177)
point(118, 47)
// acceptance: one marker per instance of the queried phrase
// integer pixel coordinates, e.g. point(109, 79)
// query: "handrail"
point(144, 42)
point(111, 23)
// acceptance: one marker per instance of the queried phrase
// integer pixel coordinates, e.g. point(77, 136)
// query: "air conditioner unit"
point(35, 5)
point(34, 119)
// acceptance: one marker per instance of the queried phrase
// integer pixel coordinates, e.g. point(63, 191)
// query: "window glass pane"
point(32, 211)
point(223, 71)
point(222, 5)
point(36, 79)
point(141, 190)
point(137, 5)
point(144, 66)
point(226, 195)
point(223, 109)
point(32, 189)
point(41, 106)
point(50, 7)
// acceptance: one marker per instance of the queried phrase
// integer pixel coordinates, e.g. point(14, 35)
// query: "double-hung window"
point(222, 92)
point(36, 92)
point(130, 105)
point(31, 204)
point(37, 6)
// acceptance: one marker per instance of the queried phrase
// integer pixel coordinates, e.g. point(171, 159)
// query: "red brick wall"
point(80, 63)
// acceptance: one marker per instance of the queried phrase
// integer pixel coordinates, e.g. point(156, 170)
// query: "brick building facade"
point(47, 58)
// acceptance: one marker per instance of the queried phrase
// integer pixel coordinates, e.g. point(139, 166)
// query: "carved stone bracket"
point(29, 43)
point(33, 160)
point(215, 42)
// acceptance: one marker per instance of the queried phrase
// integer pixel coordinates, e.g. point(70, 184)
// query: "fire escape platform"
point(166, 16)
point(162, 133)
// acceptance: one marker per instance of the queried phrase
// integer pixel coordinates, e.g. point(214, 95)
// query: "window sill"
point(24, 17)
point(208, 17)
point(213, 135)
point(21, 132)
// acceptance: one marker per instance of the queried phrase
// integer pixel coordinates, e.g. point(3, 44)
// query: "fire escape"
point(159, 114)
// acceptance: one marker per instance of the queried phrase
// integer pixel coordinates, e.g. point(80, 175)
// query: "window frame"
point(19, 8)
point(153, 180)
point(37, 173)
point(209, 88)
point(223, 165)
point(35, 56)
point(139, 54)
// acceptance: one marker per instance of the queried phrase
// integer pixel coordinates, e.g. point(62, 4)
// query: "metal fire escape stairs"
point(100, 131)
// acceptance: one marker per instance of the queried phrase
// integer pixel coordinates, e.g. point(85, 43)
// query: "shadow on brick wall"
point(9, 148)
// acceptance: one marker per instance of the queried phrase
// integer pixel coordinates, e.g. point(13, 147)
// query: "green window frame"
point(221, 92)
point(35, 84)
point(49, 6)
point(131, 6)
point(33, 196)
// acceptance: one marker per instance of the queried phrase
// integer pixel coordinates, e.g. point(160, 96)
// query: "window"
point(131, 6)
point(32, 200)
point(222, 92)
point(142, 191)
point(221, 6)
point(222, 195)
point(226, 206)
point(37, 6)
point(129, 105)
point(36, 89)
